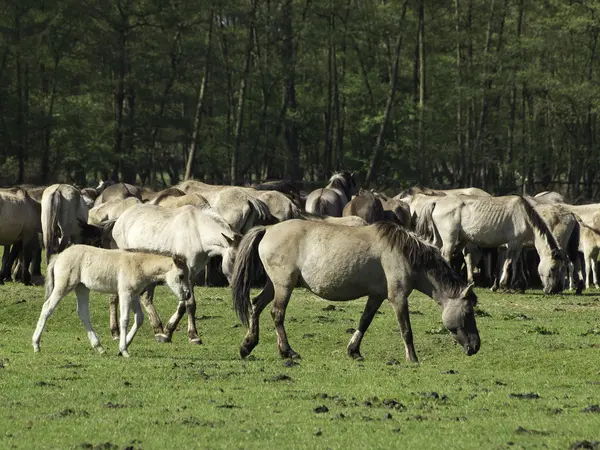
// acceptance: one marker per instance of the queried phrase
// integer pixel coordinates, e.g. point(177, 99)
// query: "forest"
point(498, 94)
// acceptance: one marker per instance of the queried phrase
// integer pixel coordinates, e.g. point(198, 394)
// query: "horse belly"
point(344, 281)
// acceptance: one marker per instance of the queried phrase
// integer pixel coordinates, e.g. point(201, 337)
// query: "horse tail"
point(50, 276)
point(540, 226)
point(50, 224)
point(320, 206)
point(295, 212)
point(107, 233)
point(425, 227)
point(247, 262)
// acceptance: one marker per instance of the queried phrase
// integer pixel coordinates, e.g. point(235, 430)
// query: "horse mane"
point(539, 225)
point(170, 192)
point(283, 186)
point(421, 256)
point(175, 256)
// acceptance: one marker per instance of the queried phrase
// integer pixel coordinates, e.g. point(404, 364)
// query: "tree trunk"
point(119, 104)
point(200, 104)
point(378, 150)
point(288, 58)
point(422, 157)
point(233, 173)
point(513, 105)
point(21, 120)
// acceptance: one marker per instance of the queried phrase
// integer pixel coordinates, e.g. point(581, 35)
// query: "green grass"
point(536, 372)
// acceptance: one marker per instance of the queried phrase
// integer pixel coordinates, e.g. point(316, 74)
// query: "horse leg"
point(113, 301)
point(138, 319)
point(172, 323)
point(190, 307)
point(36, 261)
point(83, 310)
point(469, 263)
point(26, 255)
point(593, 259)
point(55, 296)
point(147, 300)
point(282, 297)
point(258, 304)
point(125, 302)
point(373, 304)
point(399, 302)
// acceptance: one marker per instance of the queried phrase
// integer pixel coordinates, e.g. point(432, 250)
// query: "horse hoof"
point(36, 349)
point(195, 340)
point(100, 349)
point(162, 338)
point(291, 355)
point(115, 337)
point(244, 352)
point(356, 356)
point(124, 354)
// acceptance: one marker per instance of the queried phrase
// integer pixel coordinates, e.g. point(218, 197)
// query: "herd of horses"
point(339, 242)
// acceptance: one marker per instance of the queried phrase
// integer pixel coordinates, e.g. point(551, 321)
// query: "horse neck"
point(429, 285)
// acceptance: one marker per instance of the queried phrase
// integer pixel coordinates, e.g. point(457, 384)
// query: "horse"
point(116, 191)
point(195, 233)
point(589, 246)
point(155, 197)
point(395, 210)
point(418, 189)
point(366, 206)
point(566, 230)
point(111, 210)
point(547, 197)
point(82, 268)
point(62, 207)
point(331, 199)
point(179, 198)
point(342, 263)
point(239, 209)
point(20, 215)
point(452, 221)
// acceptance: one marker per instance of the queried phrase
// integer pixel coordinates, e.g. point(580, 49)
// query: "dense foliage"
point(491, 94)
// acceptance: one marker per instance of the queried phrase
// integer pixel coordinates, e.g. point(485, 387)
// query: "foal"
point(126, 273)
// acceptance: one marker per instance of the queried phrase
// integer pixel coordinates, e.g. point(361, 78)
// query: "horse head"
point(552, 271)
point(458, 317)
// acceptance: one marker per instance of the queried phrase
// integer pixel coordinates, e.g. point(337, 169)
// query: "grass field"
point(533, 384)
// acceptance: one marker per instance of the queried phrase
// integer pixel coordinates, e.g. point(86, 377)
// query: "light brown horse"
point(331, 199)
point(20, 218)
point(344, 263)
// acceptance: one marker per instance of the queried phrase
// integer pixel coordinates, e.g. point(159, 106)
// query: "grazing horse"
point(62, 208)
point(366, 206)
point(83, 268)
point(453, 221)
point(111, 210)
point(331, 199)
point(195, 233)
point(175, 200)
point(116, 191)
point(344, 263)
point(20, 218)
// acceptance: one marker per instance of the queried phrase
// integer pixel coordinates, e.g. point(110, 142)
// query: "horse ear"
point(237, 237)
point(468, 291)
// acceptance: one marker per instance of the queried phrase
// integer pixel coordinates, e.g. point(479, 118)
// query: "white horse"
point(83, 268)
point(62, 208)
point(195, 233)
